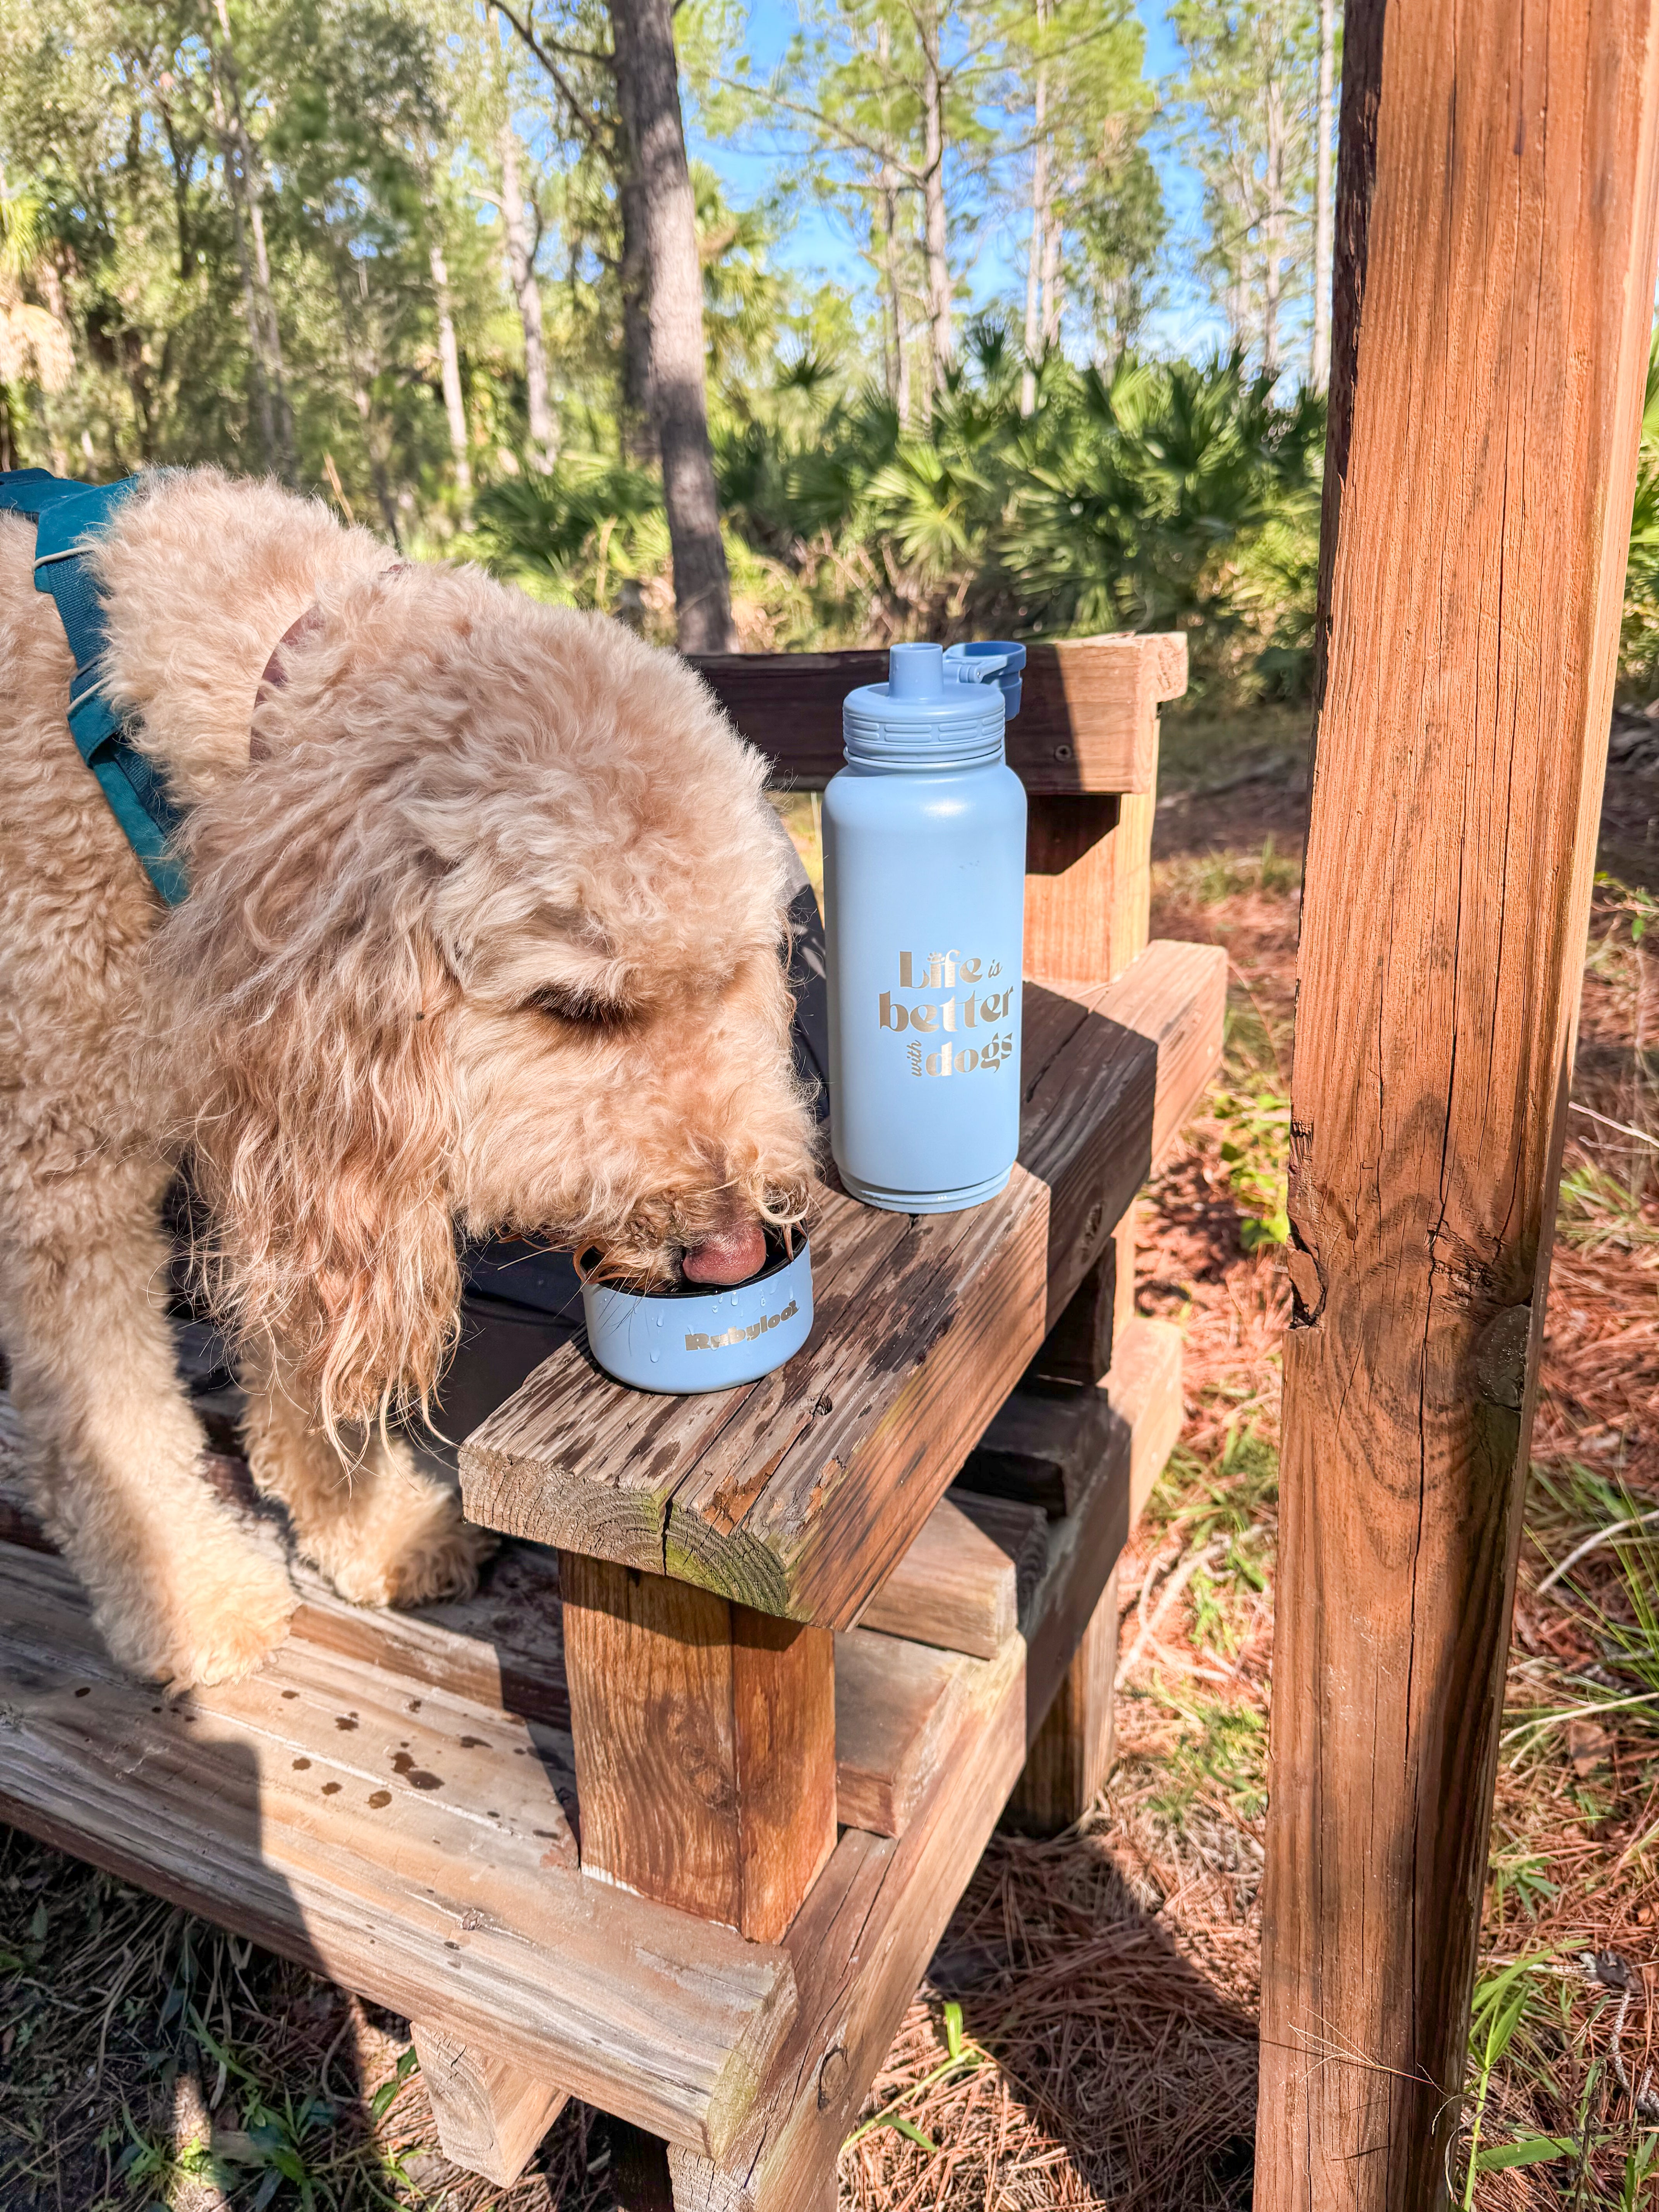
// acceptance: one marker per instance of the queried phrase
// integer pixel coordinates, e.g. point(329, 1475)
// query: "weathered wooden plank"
point(300, 1808)
point(1087, 899)
point(1043, 1446)
point(854, 1472)
point(955, 1587)
point(871, 1924)
point(1145, 1389)
point(1079, 1347)
point(798, 1494)
point(705, 1745)
point(859, 1946)
point(897, 1705)
point(1070, 1754)
point(1021, 1532)
point(491, 2114)
point(1088, 720)
point(1493, 300)
point(504, 1646)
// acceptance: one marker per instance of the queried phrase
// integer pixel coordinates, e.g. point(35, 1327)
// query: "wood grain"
point(1494, 292)
point(1043, 1446)
point(859, 1946)
point(491, 2114)
point(1088, 720)
point(1070, 1754)
point(900, 1703)
point(798, 1494)
point(969, 1573)
point(1079, 1347)
point(705, 1745)
point(1086, 919)
point(299, 1808)
point(399, 1839)
point(1110, 1072)
point(866, 1932)
point(955, 1587)
point(1145, 1387)
point(1019, 1531)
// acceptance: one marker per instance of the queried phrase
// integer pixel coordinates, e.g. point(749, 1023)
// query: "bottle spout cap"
point(915, 671)
point(994, 661)
point(937, 710)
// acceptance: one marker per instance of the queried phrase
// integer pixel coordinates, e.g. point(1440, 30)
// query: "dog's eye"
point(570, 1003)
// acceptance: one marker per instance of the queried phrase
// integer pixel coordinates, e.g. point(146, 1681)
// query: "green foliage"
point(1221, 1752)
point(1118, 504)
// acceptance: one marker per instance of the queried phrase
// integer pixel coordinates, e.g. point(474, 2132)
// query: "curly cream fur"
point(464, 809)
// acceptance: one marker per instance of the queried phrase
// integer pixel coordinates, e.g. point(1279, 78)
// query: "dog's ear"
point(307, 1024)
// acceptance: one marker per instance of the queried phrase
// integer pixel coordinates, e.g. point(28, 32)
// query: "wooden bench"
point(672, 1814)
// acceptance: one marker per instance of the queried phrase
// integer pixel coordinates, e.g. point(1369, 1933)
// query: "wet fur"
point(488, 931)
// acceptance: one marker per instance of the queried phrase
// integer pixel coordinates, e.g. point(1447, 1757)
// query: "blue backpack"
point(69, 517)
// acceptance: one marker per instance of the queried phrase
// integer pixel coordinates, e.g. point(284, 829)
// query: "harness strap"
point(69, 517)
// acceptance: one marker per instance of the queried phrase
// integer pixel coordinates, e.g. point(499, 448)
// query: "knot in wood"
point(832, 2077)
point(1500, 1357)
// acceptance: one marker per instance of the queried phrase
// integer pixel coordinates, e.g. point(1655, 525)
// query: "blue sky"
point(816, 245)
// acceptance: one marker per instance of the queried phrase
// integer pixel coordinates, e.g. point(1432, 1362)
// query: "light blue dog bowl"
point(697, 1339)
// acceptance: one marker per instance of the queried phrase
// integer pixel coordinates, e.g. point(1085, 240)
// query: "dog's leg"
point(384, 1531)
point(178, 1593)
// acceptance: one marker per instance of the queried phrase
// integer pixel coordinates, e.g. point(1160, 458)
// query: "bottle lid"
point(937, 710)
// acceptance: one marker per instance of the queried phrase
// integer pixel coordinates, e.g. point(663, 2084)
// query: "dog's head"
point(490, 933)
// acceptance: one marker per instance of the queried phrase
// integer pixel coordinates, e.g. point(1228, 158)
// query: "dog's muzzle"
point(732, 1256)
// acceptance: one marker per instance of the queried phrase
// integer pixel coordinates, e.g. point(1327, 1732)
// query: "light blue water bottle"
point(924, 883)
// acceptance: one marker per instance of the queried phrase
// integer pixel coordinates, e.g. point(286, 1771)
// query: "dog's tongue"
point(731, 1257)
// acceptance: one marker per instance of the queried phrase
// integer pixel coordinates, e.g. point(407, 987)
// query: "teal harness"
point(69, 519)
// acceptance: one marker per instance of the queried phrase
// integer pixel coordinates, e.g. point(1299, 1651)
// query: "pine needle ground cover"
point(1085, 2036)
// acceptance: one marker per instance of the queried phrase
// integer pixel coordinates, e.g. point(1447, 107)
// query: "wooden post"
point(1493, 295)
point(492, 2116)
point(705, 1740)
point(1071, 1755)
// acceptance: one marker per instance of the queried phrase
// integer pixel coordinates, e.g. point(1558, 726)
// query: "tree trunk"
point(647, 84)
point(521, 268)
point(1039, 231)
point(941, 339)
point(1053, 281)
point(449, 365)
point(898, 388)
point(360, 357)
point(264, 406)
point(1324, 227)
point(245, 183)
point(639, 438)
point(1274, 226)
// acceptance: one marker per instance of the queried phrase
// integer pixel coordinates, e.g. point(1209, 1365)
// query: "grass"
point(1208, 746)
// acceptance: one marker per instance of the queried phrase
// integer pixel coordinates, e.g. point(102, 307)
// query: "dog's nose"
point(731, 1257)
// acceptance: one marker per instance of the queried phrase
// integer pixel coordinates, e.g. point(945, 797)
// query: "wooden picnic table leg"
point(492, 2116)
point(1493, 297)
point(705, 1742)
point(1072, 1755)
point(1087, 916)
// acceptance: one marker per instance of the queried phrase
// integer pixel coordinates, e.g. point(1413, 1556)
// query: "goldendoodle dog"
point(483, 929)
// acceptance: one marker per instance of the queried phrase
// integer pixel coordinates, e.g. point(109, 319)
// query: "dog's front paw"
point(412, 1550)
point(218, 1627)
